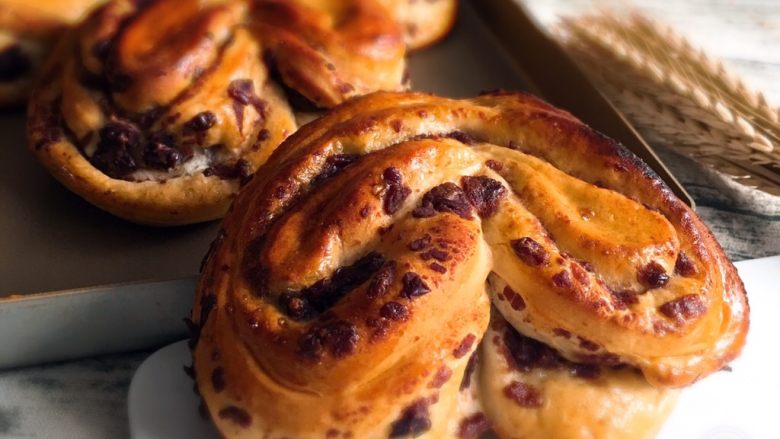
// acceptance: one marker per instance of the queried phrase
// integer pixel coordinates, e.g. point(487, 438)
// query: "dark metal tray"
point(58, 252)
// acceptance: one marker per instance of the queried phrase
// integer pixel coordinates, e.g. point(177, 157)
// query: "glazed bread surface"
point(423, 22)
point(353, 279)
point(156, 111)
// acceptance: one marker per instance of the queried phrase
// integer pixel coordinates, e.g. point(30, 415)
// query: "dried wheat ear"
point(678, 94)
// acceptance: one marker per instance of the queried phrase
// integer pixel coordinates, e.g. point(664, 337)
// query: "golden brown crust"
point(579, 244)
point(362, 48)
point(159, 126)
point(27, 31)
point(424, 22)
point(526, 387)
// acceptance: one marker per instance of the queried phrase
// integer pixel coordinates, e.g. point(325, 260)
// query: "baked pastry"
point(424, 22)
point(352, 280)
point(156, 111)
point(525, 386)
point(27, 31)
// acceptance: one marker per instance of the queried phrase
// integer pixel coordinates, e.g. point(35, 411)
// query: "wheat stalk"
point(679, 94)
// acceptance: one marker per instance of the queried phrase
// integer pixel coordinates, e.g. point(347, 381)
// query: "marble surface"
point(79, 399)
point(87, 398)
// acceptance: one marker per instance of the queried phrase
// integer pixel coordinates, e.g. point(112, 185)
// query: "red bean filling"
point(464, 138)
point(116, 149)
point(380, 326)
point(218, 379)
point(587, 266)
point(262, 136)
point(435, 266)
point(434, 253)
point(413, 286)
point(160, 152)
point(579, 273)
point(339, 338)
point(414, 420)
point(684, 266)
point(525, 354)
point(323, 294)
point(562, 279)
point(446, 197)
point(382, 280)
point(442, 376)
point(621, 299)
point(586, 371)
point(606, 359)
point(530, 251)
point(201, 122)
point(484, 193)
point(588, 345)
point(470, 367)
point(515, 300)
point(653, 275)
point(237, 415)
point(333, 165)
point(394, 311)
point(465, 346)
point(122, 148)
point(395, 191)
point(473, 426)
point(523, 394)
point(241, 169)
point(419, 244)
point(242, 91)
point(494, 165)
point(684, 308)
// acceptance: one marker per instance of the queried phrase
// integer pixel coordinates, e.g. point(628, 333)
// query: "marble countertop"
point(87, 398)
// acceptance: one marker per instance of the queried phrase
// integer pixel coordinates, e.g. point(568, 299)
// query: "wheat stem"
point(679, 94)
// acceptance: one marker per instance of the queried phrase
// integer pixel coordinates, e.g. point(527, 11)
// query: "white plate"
point(740, 404)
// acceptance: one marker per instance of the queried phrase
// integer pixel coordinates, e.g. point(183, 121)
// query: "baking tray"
point(75, 281)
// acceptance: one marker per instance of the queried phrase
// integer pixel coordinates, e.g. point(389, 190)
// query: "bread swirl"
point(353, 276)
point(156, 111)
point(528, 390)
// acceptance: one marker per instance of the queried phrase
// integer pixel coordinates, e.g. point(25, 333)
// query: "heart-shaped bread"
point(353, 279)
